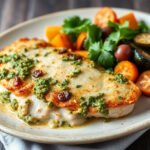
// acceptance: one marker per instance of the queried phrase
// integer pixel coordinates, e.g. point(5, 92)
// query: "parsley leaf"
point(125, 32)
point(94, 34)
point(73, 26)
point(106, 59)
point(94, 50)
point(143, 27)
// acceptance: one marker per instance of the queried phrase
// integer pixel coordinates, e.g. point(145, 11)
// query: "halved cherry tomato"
point(80, 40)
point(144, 82)
point(52, 31)
point(105, 15)
point(127, 69)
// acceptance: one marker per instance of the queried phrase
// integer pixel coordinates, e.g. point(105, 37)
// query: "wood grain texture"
point(15, 11)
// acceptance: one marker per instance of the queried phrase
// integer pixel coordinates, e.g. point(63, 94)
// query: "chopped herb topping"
point(29, 119)
point(4, 73)
point(110, 71)
point(11, 75)
point(46, 54)
point(64, 84)
point(37, 54)
point(14, 104)
point(120, 79)
point(22, 64)
point(54, 82)
point(75, 72)
point(120, 97)
point(75, 59)
point(5, 58)
point(93, 101)
point(5, 97)
point(25, 50)
point(42, 86)
point(76, 62)
point(50, 104)
point(78, 86)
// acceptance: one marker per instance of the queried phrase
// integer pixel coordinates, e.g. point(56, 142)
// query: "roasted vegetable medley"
point(120, 44)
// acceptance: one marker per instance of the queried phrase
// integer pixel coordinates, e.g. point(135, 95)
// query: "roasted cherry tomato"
point(105, 15)
point(127, 69)
point(123, 52)
point(144, 83)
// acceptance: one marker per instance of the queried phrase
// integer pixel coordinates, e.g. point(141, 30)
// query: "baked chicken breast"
point(41, 83)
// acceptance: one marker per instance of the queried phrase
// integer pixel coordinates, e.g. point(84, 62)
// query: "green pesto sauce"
point(64, 84)
point(6, 74)
point(42, 86)
point(5, 97)
point(75, 72)
point(120, 79)
point(14, 104)
point(46, 54)
point(29, 119)
point(72, 60)
point(93, 101)
point(20, 63)
point(78, 86)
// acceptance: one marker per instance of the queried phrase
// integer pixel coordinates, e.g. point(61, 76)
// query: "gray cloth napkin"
point(13, 143)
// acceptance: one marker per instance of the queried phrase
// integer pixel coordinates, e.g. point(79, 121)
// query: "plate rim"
point(27, 136)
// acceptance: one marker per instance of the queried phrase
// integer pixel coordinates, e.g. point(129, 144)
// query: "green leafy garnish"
point(73, 26)
point(143, 27)
point(94, 34)
point(103, 53)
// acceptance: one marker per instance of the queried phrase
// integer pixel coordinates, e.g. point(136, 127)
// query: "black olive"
point(64, 96)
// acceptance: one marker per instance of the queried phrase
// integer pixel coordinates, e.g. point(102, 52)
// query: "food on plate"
point(52, 31)
point(80, 40)
point(41, 83)
point(84, 70)
point(144, 82)
point(123, 52)
point(61, 40)
point(130, 17)
point(105, 15)
point(143, 39)
point(127, 69)
point(141, 58)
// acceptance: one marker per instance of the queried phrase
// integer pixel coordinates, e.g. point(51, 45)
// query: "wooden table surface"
point(13, 12)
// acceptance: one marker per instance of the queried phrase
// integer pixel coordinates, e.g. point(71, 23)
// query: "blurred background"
point(15, 11)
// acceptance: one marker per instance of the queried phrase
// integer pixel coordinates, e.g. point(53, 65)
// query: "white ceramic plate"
point(97, 131)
